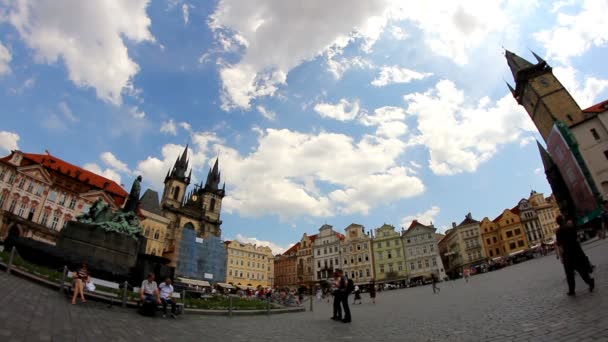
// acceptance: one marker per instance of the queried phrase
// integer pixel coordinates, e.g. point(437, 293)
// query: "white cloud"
point(268, 114)
point(286, 169)
point(426, 217)
point(54, 122)
point(525, 141)
point(137, 113)
point(110, 160)
point(89, 36)
point(585, 95)
point(396, 74)
point(388, 120)
point(276, 249)
point(108, 173)
point(186, 126)
point(538, 171)
point(576, 34)
point(5, 59)
point(67, 112)
point(27, 84)
point(186, 13)
point(344, 110)
point(9, 141)
point(399, 33)
point(338, 67)
point(169, 127)
point(460, 136)
point(294, 33)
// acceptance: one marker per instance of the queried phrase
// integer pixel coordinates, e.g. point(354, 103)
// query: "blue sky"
point(371, 112)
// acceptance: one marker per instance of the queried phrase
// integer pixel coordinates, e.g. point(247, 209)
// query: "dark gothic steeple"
point(516, 63)
point(213, 177)
point(180, 168)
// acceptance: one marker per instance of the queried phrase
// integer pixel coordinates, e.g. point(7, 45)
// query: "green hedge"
point(222, 303)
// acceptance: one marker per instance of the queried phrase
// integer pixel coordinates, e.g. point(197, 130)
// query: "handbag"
point(90, 286)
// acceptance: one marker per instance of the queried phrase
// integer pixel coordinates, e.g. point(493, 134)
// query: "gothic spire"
point(545, 157)
point(516, 63)
point(538, 58)
point(180, 167)
point(213, 177)
point(510, 88)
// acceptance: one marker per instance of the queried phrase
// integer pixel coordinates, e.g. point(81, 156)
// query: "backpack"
point(350, 286)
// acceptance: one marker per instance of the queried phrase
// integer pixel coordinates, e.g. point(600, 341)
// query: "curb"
point(242, 312)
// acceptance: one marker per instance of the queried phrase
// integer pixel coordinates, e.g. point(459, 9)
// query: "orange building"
point(305, 270)
point(285, 268)
point(40, 193)
point(504, 236)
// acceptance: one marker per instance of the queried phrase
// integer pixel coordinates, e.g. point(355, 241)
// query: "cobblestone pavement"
point(525, 302)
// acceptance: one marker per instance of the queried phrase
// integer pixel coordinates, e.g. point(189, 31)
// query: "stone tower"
point(541, 94)
point(176, 182)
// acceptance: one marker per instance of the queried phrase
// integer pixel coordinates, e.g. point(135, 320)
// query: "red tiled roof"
point(63, 167)
point(292, 249)
point(313, 237)
point(415, 222)
point(497, 218)
point(597, 108)
point(340, 236)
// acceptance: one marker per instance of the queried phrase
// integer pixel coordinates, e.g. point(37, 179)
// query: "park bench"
point(111, 296)
point(179, 307)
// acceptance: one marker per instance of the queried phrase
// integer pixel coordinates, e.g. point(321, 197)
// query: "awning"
point(517, 253)
point(224, 285)
point(497, 258)
point(242, 287)
point(535, 246)
point(194, 282)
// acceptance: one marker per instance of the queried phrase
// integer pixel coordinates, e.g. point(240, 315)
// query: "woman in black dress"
point(372, 291)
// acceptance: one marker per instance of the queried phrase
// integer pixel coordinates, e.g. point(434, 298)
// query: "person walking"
point(372, 290)
point(337, 316)
point(436, 289)
point(346, 287)
point(80, 280)
point(572, 256)
point(357, 295)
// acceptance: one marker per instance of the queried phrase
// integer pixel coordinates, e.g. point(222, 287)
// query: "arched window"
point(212, 205)
point(147, 232)
point(156, 235)
point(175, 193)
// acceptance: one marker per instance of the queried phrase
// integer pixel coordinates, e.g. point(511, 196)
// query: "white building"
point(422, 253)
point(326, 251)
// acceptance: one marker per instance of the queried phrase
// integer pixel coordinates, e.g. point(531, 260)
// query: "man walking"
point(572, 256)
point(337, 316)
point(436, 289)
point(346, 287)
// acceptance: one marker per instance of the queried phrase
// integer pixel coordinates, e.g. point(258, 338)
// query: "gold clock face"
point(194, 198)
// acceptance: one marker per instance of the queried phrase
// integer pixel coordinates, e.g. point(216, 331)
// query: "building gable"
point(37, 172)
point(94, 195)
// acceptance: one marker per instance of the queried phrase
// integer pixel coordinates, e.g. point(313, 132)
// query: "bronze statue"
point(133, 199)
point(102, 216)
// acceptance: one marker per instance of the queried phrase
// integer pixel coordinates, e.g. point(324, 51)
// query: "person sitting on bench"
point(166, 290)
point(149, 290)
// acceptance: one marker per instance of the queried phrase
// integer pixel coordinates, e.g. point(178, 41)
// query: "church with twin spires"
point(192, 219)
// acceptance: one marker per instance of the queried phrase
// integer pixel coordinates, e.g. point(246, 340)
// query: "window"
point(381, 268)
point(40, 190)
point(400, 267)
point(21, 183)
point(520, 243)
point(55, 222)
point(390, 268)
point(434, 262)
point(419, 263)
point(30, 187)
point(2, 174)
point(390, 255)
point(212, 205)
point(491, 253)
point(359, 259)
point(497, 251)
point(22, 209)
point(345, 262)
point(380, 243)
point(11, 208)
point(367, 272)
point(358, 247)
point(366, 257)
point(30, 216)
point(230, 273)
point(426, 263)
point(494, 239)
point(318, 252)
point(517, 231)
point(11, 178)
point(45, 218)
point(412, 266)
point(52, 196)
point(62, 199)
point(512, 245)
point(319, 264)
point(509, 234)
point(72, 204)
point(2, 199)
point(157, 235)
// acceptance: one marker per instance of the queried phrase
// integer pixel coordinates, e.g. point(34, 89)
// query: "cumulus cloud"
point(396, 74)
point(399, 33)
point(169, 127)
point(88, 36)
point(5, 59)
point(338, 66)
point(67, 113)
point(459, 136)
point(344, 110)
point(186, 13)
point(110, 160)
point(299, 174)
point(108, 172)
point(585, 94)
point(576, 34)
point(388, 120)
point(8, 141)
point(276, 249)
point(294, 33)
point(426, 217)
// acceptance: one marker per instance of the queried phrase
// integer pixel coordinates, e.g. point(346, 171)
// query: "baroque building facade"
point(305, 260)
point(357, 256)
point(40, 193)
point(389, 255)
point(249, 265)
point(422, 252)
point(462, 246)
point(285, 267)
point(326, 251)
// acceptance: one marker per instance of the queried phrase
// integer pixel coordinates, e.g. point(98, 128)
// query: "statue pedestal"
point(108, 251)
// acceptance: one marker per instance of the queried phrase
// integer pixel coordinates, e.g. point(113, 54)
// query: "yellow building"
point(490, 235)
point(357, 254)
point(154, 223)
point(249, 265)
point(389, 255)
point(511, 232)
point(547, 211)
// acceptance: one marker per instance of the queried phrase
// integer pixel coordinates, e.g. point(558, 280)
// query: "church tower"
point(212, 198)
point(542, 95)
point(176, 182)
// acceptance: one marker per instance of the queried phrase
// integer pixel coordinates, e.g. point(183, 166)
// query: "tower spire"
point(538, 58)
point(516, 63)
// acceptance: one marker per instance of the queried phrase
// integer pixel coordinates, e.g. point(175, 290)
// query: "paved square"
point(525, 302)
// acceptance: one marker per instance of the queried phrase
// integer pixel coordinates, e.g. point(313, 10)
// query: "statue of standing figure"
point(133, 199)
